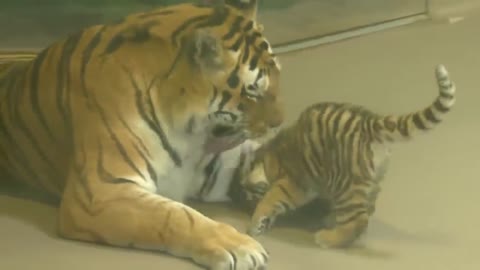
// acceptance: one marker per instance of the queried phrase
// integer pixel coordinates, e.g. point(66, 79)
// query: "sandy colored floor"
point(427, 216)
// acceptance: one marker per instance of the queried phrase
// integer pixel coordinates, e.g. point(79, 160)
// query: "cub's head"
point(244, 74)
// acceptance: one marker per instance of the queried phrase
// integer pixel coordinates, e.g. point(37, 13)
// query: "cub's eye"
point(252, 87)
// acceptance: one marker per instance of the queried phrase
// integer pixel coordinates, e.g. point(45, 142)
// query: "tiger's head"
point(239, 63)
point(211, 64)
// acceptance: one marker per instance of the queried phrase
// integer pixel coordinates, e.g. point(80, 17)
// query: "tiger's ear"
point(247, 7)
point(207, 50)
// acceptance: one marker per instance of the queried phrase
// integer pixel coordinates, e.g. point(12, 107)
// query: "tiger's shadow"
point(29, 206)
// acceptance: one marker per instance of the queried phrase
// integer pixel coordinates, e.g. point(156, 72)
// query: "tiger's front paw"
point(227, 249)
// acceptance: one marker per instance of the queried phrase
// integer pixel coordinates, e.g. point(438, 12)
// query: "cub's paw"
point(264, 217)
point(334, 238)
point(327, 238)
point(260, 225)
point(227, 249)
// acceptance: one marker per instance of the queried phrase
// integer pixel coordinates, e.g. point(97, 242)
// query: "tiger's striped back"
point(338, 153)
point(14, 56)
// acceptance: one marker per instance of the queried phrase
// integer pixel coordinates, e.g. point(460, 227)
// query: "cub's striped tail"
point(398, 128)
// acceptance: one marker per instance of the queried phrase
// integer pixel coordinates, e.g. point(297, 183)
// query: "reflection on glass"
point(291, 20)
point(28, 24)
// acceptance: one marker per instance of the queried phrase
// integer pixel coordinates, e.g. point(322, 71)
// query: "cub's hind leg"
point(283, 196)
point(350, 215)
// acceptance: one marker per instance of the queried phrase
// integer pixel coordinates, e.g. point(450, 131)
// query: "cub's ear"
point(247, 7)
point(206, 50)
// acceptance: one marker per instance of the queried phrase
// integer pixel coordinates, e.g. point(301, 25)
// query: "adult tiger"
point(332, 159)
point(14, 56)
point(116, 120)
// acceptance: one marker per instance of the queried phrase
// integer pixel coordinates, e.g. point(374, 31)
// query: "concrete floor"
point(427, 215)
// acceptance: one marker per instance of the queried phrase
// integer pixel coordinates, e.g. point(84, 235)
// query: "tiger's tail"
point(402, 128)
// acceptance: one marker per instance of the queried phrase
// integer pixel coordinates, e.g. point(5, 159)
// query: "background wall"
point(27, 24)
point(440, 7)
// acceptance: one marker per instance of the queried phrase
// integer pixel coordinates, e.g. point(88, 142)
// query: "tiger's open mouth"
point(222, 138)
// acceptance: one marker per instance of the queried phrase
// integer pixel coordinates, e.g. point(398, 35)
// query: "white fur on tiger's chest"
point(228, 163)
point(180, 182)
point(168, 179)
point(186, 181)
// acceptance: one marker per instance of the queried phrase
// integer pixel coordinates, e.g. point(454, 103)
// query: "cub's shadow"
point(298, 228)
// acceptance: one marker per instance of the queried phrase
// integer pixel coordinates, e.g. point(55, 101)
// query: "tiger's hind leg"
point(283, 196)
point(350, 219)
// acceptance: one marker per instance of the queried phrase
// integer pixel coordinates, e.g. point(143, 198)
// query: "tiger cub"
point(337, 153)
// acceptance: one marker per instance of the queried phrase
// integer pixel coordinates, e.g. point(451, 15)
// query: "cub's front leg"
point(282, 197)
point(106, 201)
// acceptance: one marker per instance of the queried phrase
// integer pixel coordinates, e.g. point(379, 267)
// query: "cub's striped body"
point(116, 120)
point(335, 154)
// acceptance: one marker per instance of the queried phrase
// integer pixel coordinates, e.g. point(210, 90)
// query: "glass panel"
point(290, 20)
point(29, 24)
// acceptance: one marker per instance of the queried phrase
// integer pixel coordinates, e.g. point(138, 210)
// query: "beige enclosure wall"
point(442, 6)
point(26, 24)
